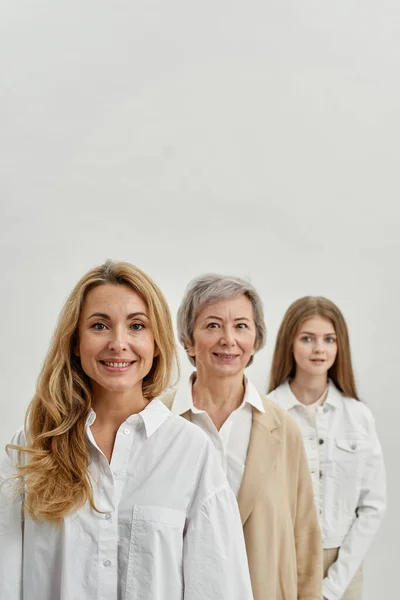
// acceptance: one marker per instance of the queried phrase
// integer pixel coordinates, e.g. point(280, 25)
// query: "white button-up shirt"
point(170, 530)
point(347, 468)
point(232, 440)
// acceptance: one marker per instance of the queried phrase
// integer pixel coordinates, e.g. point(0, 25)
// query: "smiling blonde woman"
point(104, 494)
point(221, 326)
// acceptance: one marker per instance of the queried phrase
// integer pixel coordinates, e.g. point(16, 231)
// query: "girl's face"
point(115, 340)
point(315, 346)
point(223, 337)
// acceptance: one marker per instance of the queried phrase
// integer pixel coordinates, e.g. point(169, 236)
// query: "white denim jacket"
point(347, 468)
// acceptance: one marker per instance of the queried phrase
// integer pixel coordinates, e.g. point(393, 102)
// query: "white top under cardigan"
point(232, 440)
point(347, 468)
point(171, 528)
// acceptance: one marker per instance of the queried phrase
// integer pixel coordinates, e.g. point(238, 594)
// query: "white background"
point(258, 139)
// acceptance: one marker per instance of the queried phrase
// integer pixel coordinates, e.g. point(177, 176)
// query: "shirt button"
point(127, 431)
point(107, 563)
point(326, 408)
point(320, 441)
point(107, 517)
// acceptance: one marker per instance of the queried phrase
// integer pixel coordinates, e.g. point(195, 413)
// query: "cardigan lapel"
point(265, 442)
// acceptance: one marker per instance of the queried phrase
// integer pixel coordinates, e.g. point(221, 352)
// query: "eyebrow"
point(312, 333)
point(108, 318)
point(220, 319)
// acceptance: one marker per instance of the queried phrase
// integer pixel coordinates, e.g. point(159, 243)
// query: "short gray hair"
point(210, 288)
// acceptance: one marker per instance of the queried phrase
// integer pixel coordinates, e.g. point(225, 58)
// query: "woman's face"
point(223, 337)
point(116, 344)
point(315, 346)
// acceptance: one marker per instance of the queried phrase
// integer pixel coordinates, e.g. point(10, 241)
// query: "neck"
point(113, 408)
point(218, 393)
point(308, 388)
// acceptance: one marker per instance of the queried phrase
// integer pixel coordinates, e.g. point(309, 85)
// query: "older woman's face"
point(223, 337)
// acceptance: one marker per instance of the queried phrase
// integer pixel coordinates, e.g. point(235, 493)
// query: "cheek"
point(146, 347)
point(202, 343)
point(333, 353)
point(300, 353)
point(87, 347)
point(248, 344)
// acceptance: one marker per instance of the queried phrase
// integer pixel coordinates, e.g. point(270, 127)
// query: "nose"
point(118, 341)
point(318, 346)
point(227, 337)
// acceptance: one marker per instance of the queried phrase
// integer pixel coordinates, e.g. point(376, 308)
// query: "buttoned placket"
point(312, 447)
point(322, 419)
point(112, 477)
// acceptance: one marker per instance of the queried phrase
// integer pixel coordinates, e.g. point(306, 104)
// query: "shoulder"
point(281, 420)
point(359, 412)
point(188, 434)
point(279, 392)
point(11, 457)
point(19, 438)
point(168, 398)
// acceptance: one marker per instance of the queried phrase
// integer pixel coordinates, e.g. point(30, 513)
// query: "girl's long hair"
point(283, 363)
point(54, 474)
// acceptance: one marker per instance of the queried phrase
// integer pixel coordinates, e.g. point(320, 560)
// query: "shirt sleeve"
point(11, 529)
point(214, 554)
point(369, 513)
point(308, 539)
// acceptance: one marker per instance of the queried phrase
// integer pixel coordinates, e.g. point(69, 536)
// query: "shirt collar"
point(152, 416)
point(288, 400)
point(183, 400)
point(335, 396)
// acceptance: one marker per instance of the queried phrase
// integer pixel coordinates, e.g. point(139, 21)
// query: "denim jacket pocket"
point(347, 458)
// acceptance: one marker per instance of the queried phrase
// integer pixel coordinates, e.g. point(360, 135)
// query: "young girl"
point(104, 494)
point(312, 378)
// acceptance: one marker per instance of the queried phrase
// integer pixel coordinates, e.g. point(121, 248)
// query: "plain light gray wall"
point(256, 139)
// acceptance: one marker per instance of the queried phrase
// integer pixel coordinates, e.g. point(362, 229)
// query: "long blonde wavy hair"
point(283, 363)
point(55, 478)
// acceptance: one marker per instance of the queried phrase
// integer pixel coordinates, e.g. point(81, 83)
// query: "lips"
point(225, 356)
point(117, 366)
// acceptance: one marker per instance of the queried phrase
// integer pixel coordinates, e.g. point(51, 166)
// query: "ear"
point(156, 352)
point(189, 347)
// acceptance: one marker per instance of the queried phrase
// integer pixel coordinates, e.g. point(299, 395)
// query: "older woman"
point(221, 326)
point(105, 495)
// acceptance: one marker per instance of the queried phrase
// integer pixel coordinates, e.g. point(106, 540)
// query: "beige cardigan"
point(276, 504)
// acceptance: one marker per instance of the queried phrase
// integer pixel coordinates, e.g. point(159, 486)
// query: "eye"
point(98, 326)
point(330, 340)
point(137, 326)
point(242, 326)
point(306, 338)
point(212, 326)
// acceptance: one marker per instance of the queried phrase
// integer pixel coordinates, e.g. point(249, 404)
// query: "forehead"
point(237, 306)
point(318, 325)
point(113, 299)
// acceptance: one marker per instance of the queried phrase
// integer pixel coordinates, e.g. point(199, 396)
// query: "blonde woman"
point(104, 494)
point(221, 326)
point(312, 378)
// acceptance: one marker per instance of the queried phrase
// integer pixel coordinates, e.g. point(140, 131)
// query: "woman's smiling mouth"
point(117, 365)
point(225, 357)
